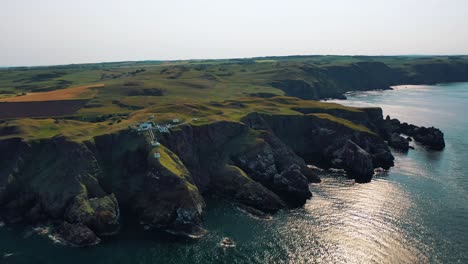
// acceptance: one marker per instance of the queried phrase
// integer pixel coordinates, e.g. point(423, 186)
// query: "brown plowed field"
point(40, 109)
point(78, 92)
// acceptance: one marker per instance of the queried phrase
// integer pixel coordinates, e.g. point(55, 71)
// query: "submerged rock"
point(41, 230)
point(77, 235)
point(193, 232)
point(254, 212)
point(227, 242)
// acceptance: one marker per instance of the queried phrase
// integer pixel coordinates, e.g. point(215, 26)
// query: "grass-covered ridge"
point(190, 113)
point(344, 122)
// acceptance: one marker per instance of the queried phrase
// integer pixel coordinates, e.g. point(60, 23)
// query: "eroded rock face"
point(159, 192)
point(99, 213)
point(56, 179)
point(167, 200)
point(84, 184)
point(258, 162)
point(292, 184)
point(286, 181)
point(211, 152)
point(297, 88)
point(398, 142)
point(12, 157)
point(317, 139)
point(235, 183)
point(200, 147)
point(355, 161)
point(336, 80)
point(285, 157)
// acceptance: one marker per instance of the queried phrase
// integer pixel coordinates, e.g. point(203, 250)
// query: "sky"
point(50, 32)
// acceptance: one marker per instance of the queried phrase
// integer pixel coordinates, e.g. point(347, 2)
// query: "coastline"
point(319, 220)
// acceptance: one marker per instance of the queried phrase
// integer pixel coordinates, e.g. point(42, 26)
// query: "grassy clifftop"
point(195, 114)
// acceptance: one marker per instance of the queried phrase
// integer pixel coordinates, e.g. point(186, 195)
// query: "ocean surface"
point(415, 213)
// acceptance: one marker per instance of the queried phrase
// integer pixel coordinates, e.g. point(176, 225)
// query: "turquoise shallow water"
point(416, 213)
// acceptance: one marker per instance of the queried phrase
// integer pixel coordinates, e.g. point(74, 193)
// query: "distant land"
point(156, 61)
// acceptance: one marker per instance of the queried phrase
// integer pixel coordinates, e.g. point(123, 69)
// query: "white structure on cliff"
point(163, 129)
point(146, 126)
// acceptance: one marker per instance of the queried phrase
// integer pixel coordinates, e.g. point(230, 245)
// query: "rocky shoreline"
point(260, 163)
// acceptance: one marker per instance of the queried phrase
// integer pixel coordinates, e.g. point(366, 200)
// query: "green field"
point(201, 91)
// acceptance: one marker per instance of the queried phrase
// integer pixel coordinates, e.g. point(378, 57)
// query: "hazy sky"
point(44, 32)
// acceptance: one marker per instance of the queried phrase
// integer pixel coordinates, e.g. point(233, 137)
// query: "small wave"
point(227, 242)
point(254, 213)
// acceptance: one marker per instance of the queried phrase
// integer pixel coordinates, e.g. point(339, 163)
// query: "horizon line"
point(230, 58)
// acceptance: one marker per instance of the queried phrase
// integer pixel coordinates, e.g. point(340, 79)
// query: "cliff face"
point(319, 139)
point(261, 163)
point(316, 83)
point(81, 187)
point(55, 179)
point(297, 88)
point(211, 151)
point(160, 192)
point(438, 73)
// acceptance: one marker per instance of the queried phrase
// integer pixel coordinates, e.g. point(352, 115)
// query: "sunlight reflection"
point(354, 223)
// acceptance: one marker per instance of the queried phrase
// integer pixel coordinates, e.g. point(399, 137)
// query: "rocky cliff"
point(322, 138)
point(260, 162)
point(317, 82)
point(80, 188)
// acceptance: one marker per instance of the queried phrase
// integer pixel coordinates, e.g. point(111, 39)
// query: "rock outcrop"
point(232, 182)
point(84, 185)
point(430, 137)
point(355, 161)
point(211, 151)
point(316, 137)
point(78, 235)
point(398, 142)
